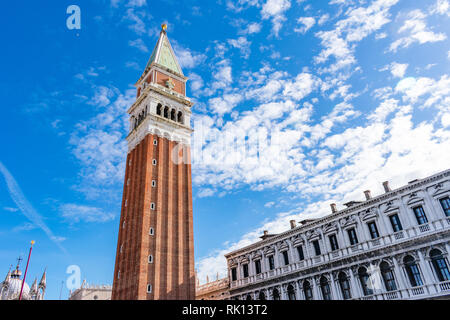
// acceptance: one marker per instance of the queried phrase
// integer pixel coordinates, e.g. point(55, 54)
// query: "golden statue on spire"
point(164, 27)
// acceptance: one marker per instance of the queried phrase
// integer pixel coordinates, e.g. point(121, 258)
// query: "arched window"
point(440, 265)
point(180, 117)
point(291, 292)
point(159, 109)
point(166, 112)
point(172, 115)
point(412, 270)
point(307, 290)
point(249, 297)
point(262, 296)
point(345, 286)
point(325, 288)
point(276, 294)
point(364, 280)
point(388, 276)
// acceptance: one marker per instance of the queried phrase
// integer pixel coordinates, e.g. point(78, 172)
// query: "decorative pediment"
point(390, 207)
point(439, 189)
point(255, 255)
point(330, 227)
point(413, 198)
point(369, 214)
point(268, 250)
point(348, 221)
point(282, 245)
point(233, 262)
point(312, 235)
point(243, 259)
point(297, 240)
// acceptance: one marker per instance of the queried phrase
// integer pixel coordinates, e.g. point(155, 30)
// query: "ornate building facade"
point(91, 292)
point(393, 246)
point(155, 248)
point(213, 290)
point(11, 286)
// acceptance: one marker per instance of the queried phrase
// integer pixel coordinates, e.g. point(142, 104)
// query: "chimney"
point(386, 187)
point(293, 225)
point(367, 194)
point(333, 208)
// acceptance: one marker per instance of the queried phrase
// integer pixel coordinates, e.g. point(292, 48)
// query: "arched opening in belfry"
point(180, 117)
point(166, 112)
point(172, 115)
point(159, 109)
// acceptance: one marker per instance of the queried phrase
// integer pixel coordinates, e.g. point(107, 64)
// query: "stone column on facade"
point(426, 271)
point(316, 289)
point(334, 290)
point(298, 291)
point(290, 253)
point(383, 228)
point(306, 253)
point(406, 213)
point(364, 232)
point(283, 290)
point(263, 262)
point(355, 289)
point(324, 242)
point(341, 236)
point(251, 267)
point(399, 274)
point(238, 270)
point(276, 257)
point(430, 205)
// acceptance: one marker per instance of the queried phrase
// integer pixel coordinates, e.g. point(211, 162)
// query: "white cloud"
point(358, 24)
point(100, 146)
point(253, 27)
point(307, 23)
point(136, 3)
point(137, 20)
point(324, 18)
point(418, 31)
point(225, 103)
point(269, 204)
point(10, 209)
point(242, 44)
point(275, 9)
point(196, 83)
point(78, 213)
point(397, 69)
point(139, 44)
point(441, 7)
point(390, 146)
point(187, 58)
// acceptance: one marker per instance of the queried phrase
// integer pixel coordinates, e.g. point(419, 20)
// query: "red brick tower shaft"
point(155, 248)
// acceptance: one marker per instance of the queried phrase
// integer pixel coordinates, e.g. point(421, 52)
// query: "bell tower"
point(155, 248)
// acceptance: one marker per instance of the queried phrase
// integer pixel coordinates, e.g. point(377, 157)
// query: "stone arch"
point(159, 109)
point(166, 112)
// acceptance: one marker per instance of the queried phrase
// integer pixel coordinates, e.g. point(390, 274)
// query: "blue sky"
point(327, 100)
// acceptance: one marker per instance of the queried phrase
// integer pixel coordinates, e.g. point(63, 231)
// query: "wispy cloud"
point(25, 206)
point(76, 213)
